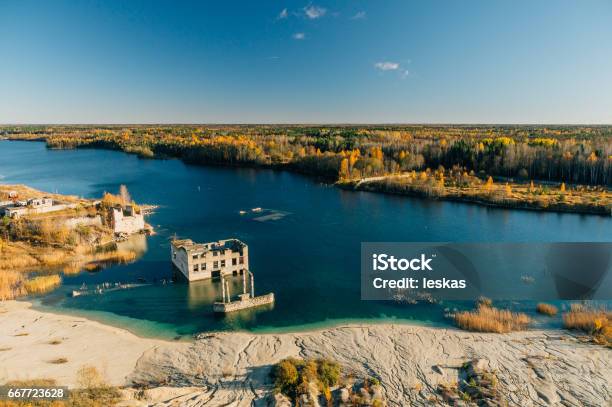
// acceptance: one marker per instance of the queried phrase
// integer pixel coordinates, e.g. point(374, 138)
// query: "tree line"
point(572, 154)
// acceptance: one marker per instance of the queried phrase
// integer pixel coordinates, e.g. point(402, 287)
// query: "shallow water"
point(305, 246)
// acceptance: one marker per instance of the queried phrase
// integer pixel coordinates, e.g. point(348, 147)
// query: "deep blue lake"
point(309, 258)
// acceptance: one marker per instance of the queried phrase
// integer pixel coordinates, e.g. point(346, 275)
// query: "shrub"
point(11, 284)
point(42, 284)
point(329, 372)
point(546, 309)
point(484, 301)
point(93, 390)
point(489, 319)
point(285, 375)
point(597, 323)
point(293, 377)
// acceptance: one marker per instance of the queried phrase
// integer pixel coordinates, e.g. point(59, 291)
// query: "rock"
point(280, 400)
point(344, 395)
point(377, 393)
point(365, 396)
point(547, 393)
point(308, 400)
point(480, 365)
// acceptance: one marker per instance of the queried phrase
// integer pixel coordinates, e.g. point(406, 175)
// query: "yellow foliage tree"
point(344, 169)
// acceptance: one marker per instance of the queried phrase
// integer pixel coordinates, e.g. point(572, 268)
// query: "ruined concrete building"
point(198, 261)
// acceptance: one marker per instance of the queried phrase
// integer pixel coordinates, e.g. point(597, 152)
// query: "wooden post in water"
point(223, 288)
point(244, 283)
point(252, 285)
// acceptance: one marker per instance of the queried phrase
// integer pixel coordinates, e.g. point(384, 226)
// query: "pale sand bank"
point(534, 368)
point(113, 351)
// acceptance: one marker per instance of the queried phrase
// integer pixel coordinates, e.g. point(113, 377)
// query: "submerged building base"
point(245, 301)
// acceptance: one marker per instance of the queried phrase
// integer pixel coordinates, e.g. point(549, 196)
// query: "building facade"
point(34, 206)
point(126, 221)
point(198, 261)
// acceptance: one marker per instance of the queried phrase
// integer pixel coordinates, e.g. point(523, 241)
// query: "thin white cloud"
point(299, 36)
point(314, 12)
point(283, 14)
point(359, 15)
point(387, 66)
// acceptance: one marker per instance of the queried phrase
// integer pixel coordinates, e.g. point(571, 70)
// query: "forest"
point(569, 154)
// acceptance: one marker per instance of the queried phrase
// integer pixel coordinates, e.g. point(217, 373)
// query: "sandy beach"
point(30, 340)
point(534, 368)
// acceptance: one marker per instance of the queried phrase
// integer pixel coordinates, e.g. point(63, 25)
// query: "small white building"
point(126, 220)
point(16, 211)
point(34, 206)
point(40, 203)
point(198, 261)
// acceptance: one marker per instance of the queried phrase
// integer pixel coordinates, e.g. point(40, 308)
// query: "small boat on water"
point(258, 209)
point(242, 212)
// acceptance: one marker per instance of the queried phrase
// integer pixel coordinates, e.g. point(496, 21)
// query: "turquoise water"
point(309, 257)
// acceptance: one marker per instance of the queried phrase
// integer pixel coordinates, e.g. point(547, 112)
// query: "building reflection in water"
point(136, 243)
point(201, 295)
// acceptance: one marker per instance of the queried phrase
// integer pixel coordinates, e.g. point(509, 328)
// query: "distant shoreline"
point(524, 205)
point(587, 208)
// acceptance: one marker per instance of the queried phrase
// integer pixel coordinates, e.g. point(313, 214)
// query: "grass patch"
point(11, 284)
point(42, 284)
point(595, 322)
point(92, 392)
point(4, 349)
point(58, 361)
point(22, 334)
point(72, 268)
point(119, 256)
point(477, 386)
point(92, 266)
point(490, 319)
point(546, 309)
point(93, 389)
point(54, 342)
point(53, 258)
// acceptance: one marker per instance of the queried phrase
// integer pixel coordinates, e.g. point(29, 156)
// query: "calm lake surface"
point(309, 258)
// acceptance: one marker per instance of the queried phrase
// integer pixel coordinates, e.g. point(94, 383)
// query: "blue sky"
point(295, 61)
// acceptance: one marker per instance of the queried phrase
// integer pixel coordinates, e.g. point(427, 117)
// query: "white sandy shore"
point(534, 368)
point(26, 349)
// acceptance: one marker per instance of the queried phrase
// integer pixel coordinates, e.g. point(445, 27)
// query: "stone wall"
point(238, 305)
point(127, 224)
point(83, 221)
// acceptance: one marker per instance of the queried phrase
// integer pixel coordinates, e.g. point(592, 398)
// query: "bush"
point(329, 372)
point(292, 377)
point(597, 323)
point(489, 319)
point(285, 375)
point(93, 390)
point(42, 284)
point(546, 309)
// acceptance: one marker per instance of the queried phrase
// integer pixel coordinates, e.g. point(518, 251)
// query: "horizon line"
point(308, 124)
